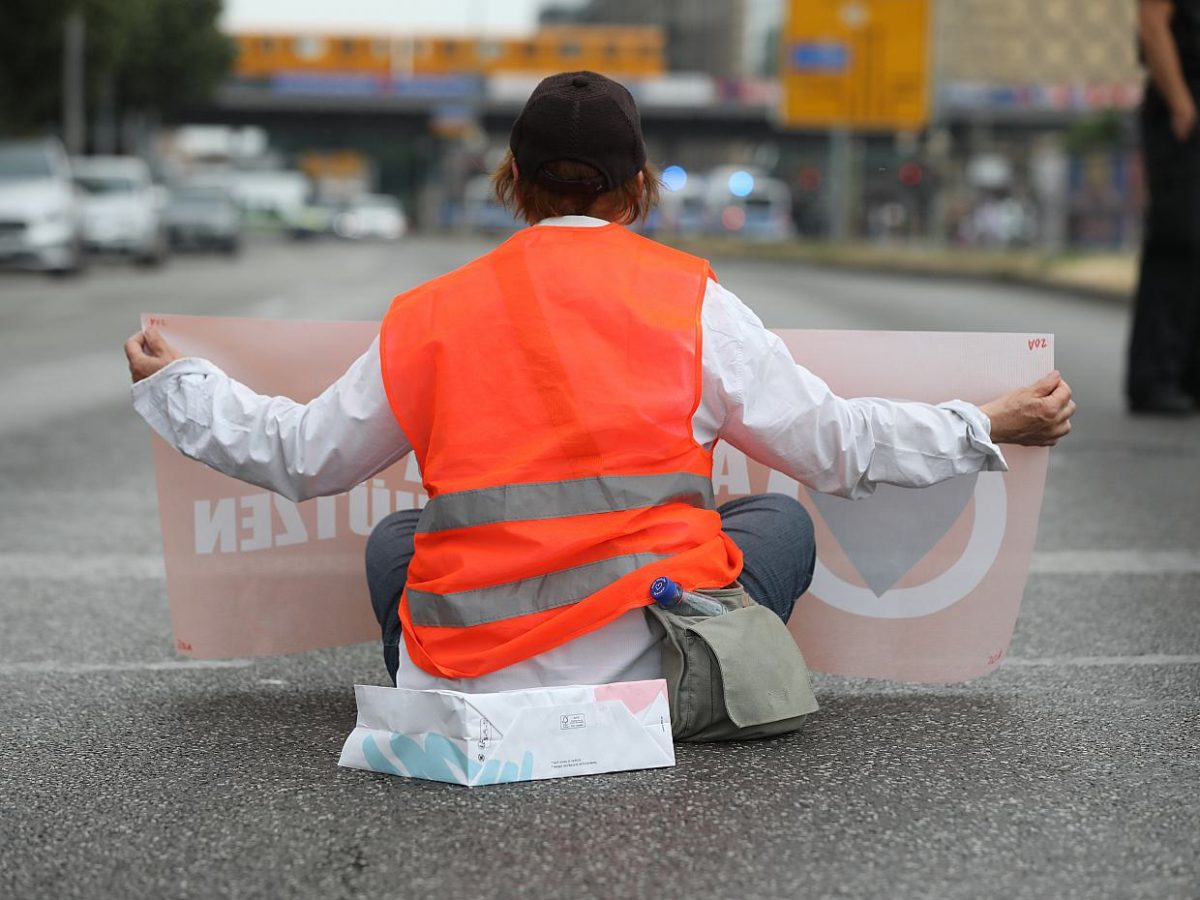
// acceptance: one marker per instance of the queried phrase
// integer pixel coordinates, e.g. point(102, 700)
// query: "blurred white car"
point(122, 208)
point(39, 208)
point(372, 216)
point(746, 203)
point(204, 215)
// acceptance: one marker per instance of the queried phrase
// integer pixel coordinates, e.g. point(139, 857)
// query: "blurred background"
point(135, 128)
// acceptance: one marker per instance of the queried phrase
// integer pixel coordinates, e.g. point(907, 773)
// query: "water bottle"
point(670, 596)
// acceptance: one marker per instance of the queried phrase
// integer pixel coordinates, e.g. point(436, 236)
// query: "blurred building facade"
point(1018, 42)
point(1029, 140)
point(1034, 142)
point(626, 51)
point(1030, 58)
point(701, 35)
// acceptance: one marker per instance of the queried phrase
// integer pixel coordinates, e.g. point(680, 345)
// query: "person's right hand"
point(1183, 121)
point(147, 352)
point(1036, 416)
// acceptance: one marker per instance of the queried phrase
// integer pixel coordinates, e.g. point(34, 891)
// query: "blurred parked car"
point(201, 215)
point(122, 208)
point(746, 203)
point(683, 208)
point(483, 212)
point(39, 208)
point(372, 216)
point(312, 220)
point(271, 195)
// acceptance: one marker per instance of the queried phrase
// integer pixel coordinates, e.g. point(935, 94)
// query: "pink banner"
point(910, 585)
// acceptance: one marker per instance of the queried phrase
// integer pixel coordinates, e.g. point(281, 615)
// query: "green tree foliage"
point(1097, 132)
point(174, 56)
point(161, 55)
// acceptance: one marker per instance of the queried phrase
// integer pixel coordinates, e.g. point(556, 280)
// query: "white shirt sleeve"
point(758, 399)
point(754, 396)
point(299, 450)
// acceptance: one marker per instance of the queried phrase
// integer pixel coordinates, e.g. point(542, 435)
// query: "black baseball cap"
point(583, 117)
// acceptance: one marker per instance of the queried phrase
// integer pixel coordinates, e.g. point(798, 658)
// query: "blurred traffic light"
point(810, 179)
point(911, 174)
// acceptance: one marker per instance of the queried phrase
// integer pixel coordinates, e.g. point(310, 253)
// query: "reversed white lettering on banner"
point(215, 525)
point(326, 518)
point(264, 520)
point(731, 472)
point(778, 483)
point(294, 531)
point(256, 522)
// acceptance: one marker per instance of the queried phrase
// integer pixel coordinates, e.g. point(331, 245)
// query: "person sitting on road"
point(563, 394)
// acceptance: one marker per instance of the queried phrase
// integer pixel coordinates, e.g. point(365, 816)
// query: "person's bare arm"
point(1162, 59)
point(1036, 416)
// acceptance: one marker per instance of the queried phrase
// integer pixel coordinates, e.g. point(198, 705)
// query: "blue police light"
point(674, 178)
point(741, 183)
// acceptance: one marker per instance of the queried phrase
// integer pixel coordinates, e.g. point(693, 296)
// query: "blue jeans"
point(773, 531)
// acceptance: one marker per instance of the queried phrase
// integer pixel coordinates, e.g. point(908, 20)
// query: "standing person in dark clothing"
point(1164, 351)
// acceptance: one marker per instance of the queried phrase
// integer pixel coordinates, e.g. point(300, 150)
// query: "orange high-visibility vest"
point(548, 389)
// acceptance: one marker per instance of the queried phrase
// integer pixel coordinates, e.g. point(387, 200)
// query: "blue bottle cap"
point(665, 592)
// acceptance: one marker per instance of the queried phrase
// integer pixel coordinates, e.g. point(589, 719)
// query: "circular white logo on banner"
point(983, 546)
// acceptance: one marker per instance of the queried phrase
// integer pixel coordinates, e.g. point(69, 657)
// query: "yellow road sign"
point(856, 64)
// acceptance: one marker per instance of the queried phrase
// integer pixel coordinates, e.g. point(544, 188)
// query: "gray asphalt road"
point(1071, 772)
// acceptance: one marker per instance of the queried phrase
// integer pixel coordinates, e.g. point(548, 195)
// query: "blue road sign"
point(829, 57)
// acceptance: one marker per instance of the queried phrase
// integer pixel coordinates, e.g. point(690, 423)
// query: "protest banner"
point(920, 585)
point(914, 585)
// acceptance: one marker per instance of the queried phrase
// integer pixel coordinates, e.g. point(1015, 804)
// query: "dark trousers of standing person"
point(1164, 347)
point(773, 531)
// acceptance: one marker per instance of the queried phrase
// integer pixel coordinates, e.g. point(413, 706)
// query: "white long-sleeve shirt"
point(754, 396)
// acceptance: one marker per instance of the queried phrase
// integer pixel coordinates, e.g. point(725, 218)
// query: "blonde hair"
point(534, 202)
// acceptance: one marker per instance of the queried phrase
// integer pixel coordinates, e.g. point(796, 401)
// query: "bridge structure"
point(439, 131)
point(701, 114)
point(425, 131)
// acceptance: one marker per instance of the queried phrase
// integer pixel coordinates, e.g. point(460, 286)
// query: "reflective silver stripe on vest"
point(522, 598)
point(555, 499)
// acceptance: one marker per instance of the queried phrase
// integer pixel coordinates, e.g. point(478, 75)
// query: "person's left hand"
point(1036, 416)
point(147, 352)
point(1183, 122)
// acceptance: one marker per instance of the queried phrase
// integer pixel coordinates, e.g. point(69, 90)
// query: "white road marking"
point(66, 567)
point(90, 567)
point(1115, 562)
point(1149, 659)
point(1037, 662)
point(273, 307)
point(163, 665)
point(38, 394)
point(70, 567)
